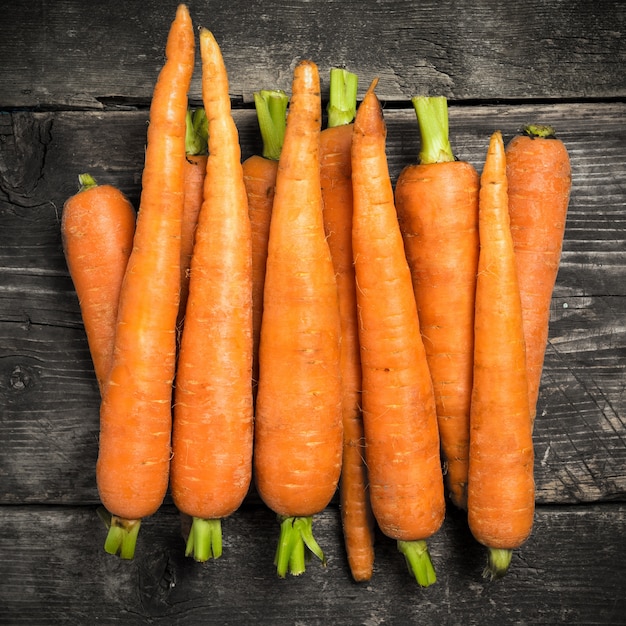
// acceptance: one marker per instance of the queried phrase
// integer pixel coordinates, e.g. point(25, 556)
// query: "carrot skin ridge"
point(437, 205)
point(501, 483)
point(213, 415)
point(135, 418)
point(336, 182)
point(399, 416)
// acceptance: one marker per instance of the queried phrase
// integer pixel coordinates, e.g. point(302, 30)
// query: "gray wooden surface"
point(75, 82)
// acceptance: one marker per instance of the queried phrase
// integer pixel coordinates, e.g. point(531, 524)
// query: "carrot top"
point(196, 132)
point(342, 103)
point(432, 117)
point(540, 131)
point(86, 181)
point(271, 108)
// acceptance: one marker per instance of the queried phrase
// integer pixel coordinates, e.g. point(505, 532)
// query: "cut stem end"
point(418, 561)
point(295, 546)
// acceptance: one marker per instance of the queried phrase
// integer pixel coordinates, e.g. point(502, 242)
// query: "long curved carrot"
point(259, 174)
point(97, 230)
point(401, 435)
point(298, 429)
point(135, 417)
point(336, 182)
point(540, 179)
point(500, 495)
point(196, 154)
point(213, 418)
point(437, 204)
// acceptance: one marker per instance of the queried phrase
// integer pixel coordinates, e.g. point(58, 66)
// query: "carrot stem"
point(196, 132)
point(418, 561)
point(271, 108)
point(498, 563)
point(205, 539)
point(122, 536)
point(86, 181)
point(432, 117)
point(539, 131)
point(342, 100)
point(295, 545)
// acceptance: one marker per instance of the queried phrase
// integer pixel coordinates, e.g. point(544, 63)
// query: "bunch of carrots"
point(295, 323)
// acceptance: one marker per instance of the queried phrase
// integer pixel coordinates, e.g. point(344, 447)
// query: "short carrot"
point(298, 428)
point(135, 417)
point(500, 498)
point(437, 204)
point(399, 415)
point(259, 174)
point(213, 418)
point(196, 154)
point(97, 229)
point(336, 181)
point(540, 180)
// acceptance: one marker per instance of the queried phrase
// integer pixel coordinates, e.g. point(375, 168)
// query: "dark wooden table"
point(75, 82)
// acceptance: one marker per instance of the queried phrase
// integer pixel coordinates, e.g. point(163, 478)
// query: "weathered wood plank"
point(74, 54)
point(572, 569)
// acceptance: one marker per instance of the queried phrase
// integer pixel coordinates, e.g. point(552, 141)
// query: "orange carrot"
point(540, 179)
point(437, 204)
point(194, 171)
point(298, 431)
point(336, 181)
point(500, 498)
point(212, 437)
point(259, 174)
point(135, 417)
point(401, 436)
point(97, 229)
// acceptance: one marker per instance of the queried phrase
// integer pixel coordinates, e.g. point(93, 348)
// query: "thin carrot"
point(437, 204)
point(500, 498)
point(259, 174)
point(212, 437)
point(298, 429)
point(135, 417)
point(196, 154)
point(401, 435)
point(540, 180)
point(97, 229)
point(336, 181)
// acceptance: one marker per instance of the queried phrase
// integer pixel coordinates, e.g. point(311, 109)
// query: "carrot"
point(194, 171)
point(399, 416)
point(298, 429)
point(540, 179)
point(97, 230)
point(212, 437)
point(259, 174)
point(336, 182)
point(135, 417)
point(500, 496)
point(437, 204)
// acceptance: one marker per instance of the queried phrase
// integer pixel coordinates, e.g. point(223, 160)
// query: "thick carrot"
point(196, 154)
point(298, 429)
point(401, 435)
point(500, 495)
point(336, 181)
point(259, 174)
point(540, 180)
point(135, 417)
point(437, 204)
point(212, 437)
point(97, 230)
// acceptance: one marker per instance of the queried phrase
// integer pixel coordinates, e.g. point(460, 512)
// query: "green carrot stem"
point(86, 181)
point(432, 117)
point(271, 110)
point(539, 131)
point(498, 562)
point(205, 539)
point(295, 546)
point(342, 99)
point(418, 561)
point(196, 132)
point(122, 536)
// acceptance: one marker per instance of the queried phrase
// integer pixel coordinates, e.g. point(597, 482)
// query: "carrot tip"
point(418, 561)
point(122, 536)
point(498, 563)
point(205, 539)
point(295, 546)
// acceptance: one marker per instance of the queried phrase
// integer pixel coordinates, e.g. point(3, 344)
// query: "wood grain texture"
point(73, 54)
